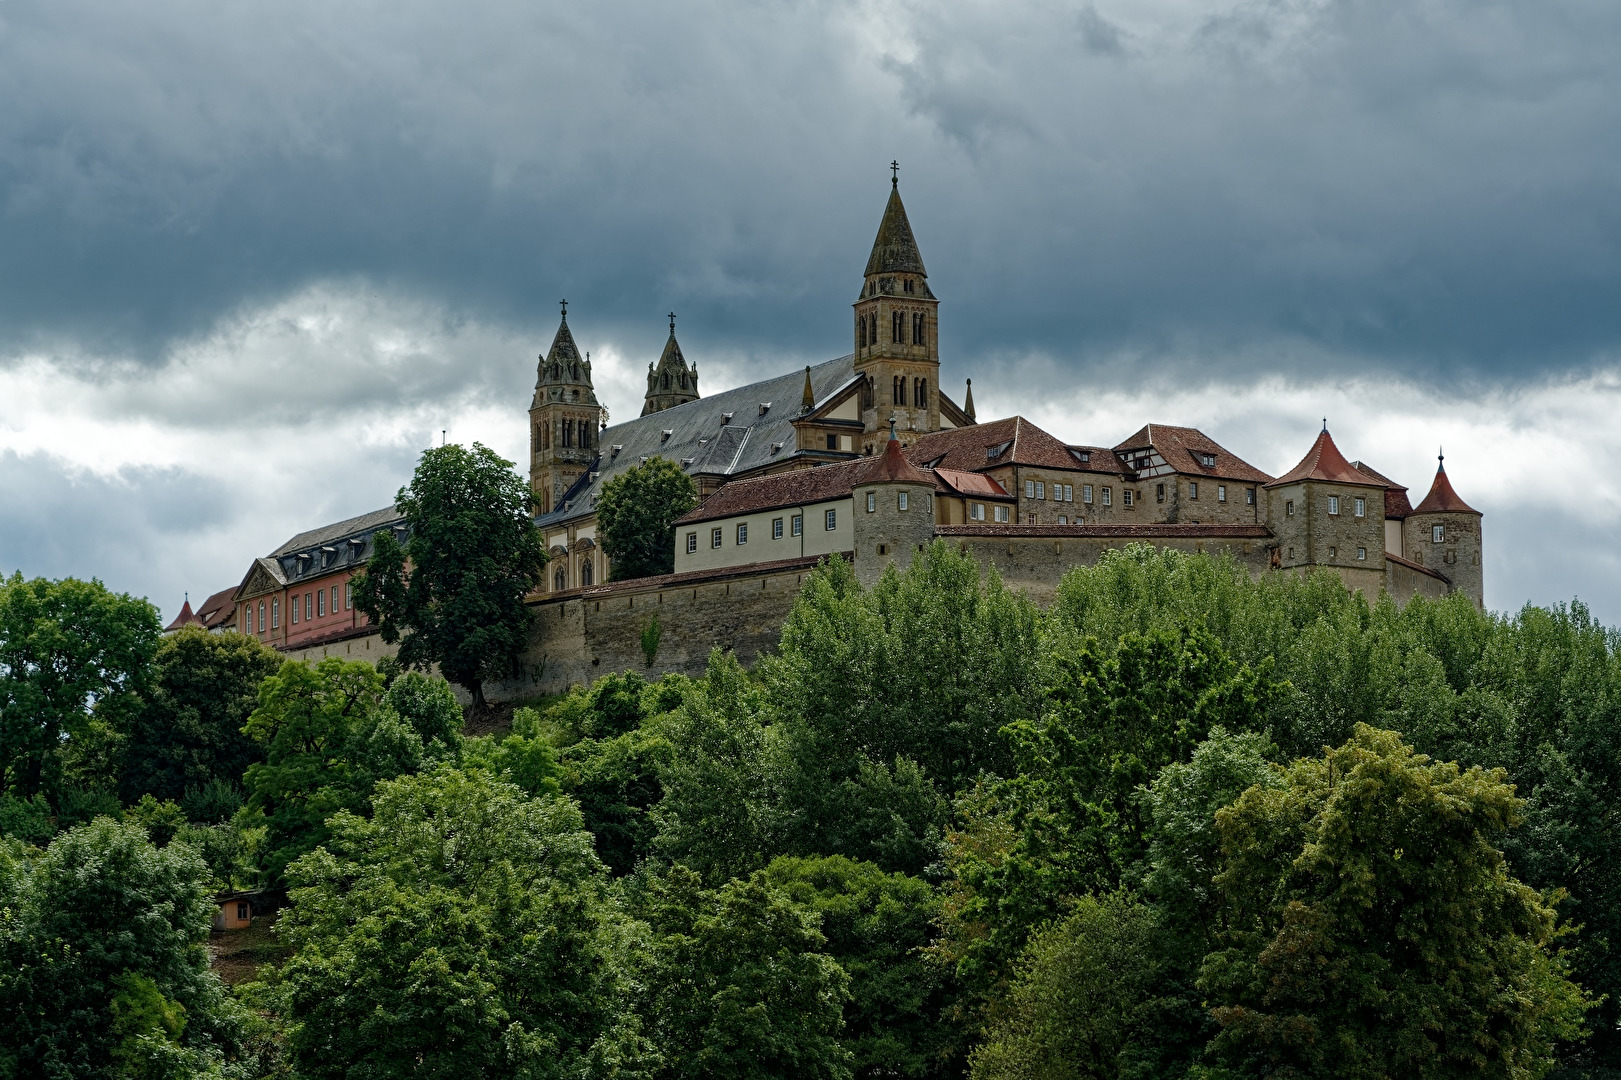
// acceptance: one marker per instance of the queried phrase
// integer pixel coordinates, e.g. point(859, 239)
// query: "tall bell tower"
point(564, 418)
point(897, 334)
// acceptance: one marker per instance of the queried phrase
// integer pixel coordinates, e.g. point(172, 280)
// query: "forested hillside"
point(1183, 824)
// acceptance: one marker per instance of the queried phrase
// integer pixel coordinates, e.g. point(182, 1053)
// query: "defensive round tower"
point(893, 502)
point(1443, 533)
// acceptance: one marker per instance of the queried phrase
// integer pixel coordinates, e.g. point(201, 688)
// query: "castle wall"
point(1403, 582)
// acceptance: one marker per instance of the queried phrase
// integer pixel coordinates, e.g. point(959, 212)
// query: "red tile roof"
point(972, 485)
point(1016, 441)
point(1122, 532)
point(1181, 447)
point(1396, 504)
point(799, 487)
point(1325, 462)
point(218, 610)
point(1442, 499)
point(185, 618)
point(891, 468)
point(1415, 566)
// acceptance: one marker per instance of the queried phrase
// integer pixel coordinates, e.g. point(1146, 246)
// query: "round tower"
point(894, 511)
point(1444, 534)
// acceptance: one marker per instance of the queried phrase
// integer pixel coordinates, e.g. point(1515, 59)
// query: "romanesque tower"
point(896, 335)
point(671, 382)
point(563, 421)
point(894, 511)
point(1443, 533)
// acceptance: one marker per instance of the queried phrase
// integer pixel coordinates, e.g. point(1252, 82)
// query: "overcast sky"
point(254, 257)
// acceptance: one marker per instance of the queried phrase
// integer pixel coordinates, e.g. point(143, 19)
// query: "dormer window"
point(664, 436)
point(725, 418)
point(765, 407)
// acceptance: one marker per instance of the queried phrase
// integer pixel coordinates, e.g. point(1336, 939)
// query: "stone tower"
point(670, 382)
point(1443, 534)
point(894, 511)
point(1324, 513)
point(896, 335)
point(563, 421)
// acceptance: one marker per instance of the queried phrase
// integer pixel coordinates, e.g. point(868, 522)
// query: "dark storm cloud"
point(1423, 187)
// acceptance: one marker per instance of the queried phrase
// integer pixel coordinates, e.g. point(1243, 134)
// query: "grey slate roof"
point(329, 548)
point(703, 442)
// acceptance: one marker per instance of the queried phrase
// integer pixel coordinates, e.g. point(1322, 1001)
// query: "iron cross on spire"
point(565, 309)
point(672, 324)
point(894, 172)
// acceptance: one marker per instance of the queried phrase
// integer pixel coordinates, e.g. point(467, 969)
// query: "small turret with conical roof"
point(894, 511)
point(896, 333)
point(564, 418)
point(670, 382)
point(1326, 513)
point(1443, 533)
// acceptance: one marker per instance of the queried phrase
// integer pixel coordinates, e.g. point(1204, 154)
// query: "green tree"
point(75, 663)
point(1082, 1000)
point(877, 926)
point(636, 515)
point(1372, 927)
point(737, 983)
point(104, 964)
point(454, 596)
point(188, 734)
point(464, 931)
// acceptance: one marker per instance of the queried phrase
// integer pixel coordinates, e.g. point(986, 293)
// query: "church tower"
point(564, 418)
point(671, 382)
point(896, 335)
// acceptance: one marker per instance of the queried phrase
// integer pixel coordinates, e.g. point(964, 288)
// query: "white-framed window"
point(976, 512)
point(1289, 508)
point(742, 533)
point(1086, 494)
point(1063, 519)
point(776, 528)
point(1438, 534)
point(1333, 552)
point(320, 602)
point(1125, 496)
point(293, 611)
point(1029, 489)
point(901, 499)
point(1333, 504)
point(797, 524)
point(830, 520)
point(1193, 489)
point(714, 538)
point(348, 597)
point(1041, 490)
point(1108, 496)
point(1221, 493)
point(1361, 553)
point(261, 616)
point(334, 599)
point(1159, 492)
point(1069, 492)
point(1361, 507)
point(692, 543)
point(1003, 513)
point(275, 613)
point(872, 501)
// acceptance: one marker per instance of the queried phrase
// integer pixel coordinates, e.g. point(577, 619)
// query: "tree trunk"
point(479, 704)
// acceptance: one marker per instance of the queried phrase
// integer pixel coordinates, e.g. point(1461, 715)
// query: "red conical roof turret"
point(1442, 499)
point(892, 468)
point(1325, 462)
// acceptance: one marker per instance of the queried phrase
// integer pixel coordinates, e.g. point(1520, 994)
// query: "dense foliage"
point(636, 515)
point(1182, 825)
point(453, 597)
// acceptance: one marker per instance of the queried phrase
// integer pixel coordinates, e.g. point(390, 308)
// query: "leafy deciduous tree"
point(636, 515)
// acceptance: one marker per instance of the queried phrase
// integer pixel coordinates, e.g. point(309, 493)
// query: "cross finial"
point(1440, 455)
point(894, 173)
point(565, 309)
point(672, 324)
point(1325, 423)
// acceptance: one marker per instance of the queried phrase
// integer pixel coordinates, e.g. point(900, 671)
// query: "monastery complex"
point(864, 457)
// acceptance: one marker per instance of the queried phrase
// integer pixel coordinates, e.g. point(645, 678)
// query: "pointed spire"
point(671, 381)
point(808, 401)
point(895, 248)
point(1325, 462)
point(968, 400)
point(1442, 499)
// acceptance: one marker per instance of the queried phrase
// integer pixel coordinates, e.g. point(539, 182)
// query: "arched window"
point(560, 579)
point(585, 572)
point(917, 329)
point(872, 330)
point(897, 390)
point(895, 327)
point(665, 380)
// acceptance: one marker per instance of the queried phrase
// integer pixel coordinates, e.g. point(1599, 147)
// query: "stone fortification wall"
point(1405, 580)
point(1034, 558)
point(581, 635)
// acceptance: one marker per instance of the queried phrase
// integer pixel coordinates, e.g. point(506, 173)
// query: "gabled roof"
point(1396, 505)
point(800, 487)
point(218, 610)
point(891, 468)
point(185, 618)
point(1325, 462)
point(1442, 499)
point(704, 441)
point(1013, 441)
point(895, 248)
point(1181, 447)
point(970, 485)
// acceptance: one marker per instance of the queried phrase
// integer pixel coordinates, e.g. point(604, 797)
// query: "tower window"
point(714, 538)
point(1125, 496)
point(1108, 496)
point(1438, 534)
point(872, 329)
point(1333, 504)
point(1086, 494)
point(872, 501)
point(1362, 553)
point(917, 329)
point(861, 330)
point(908, 284)
point(1249, 496)
point(1289, 508)
point(1361, 507)
point(897, 390)
point(1193, 489)
point(692, 543)
point(895, 327)
point(1221, 493)
point(901, 500)
point(1159, 492)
